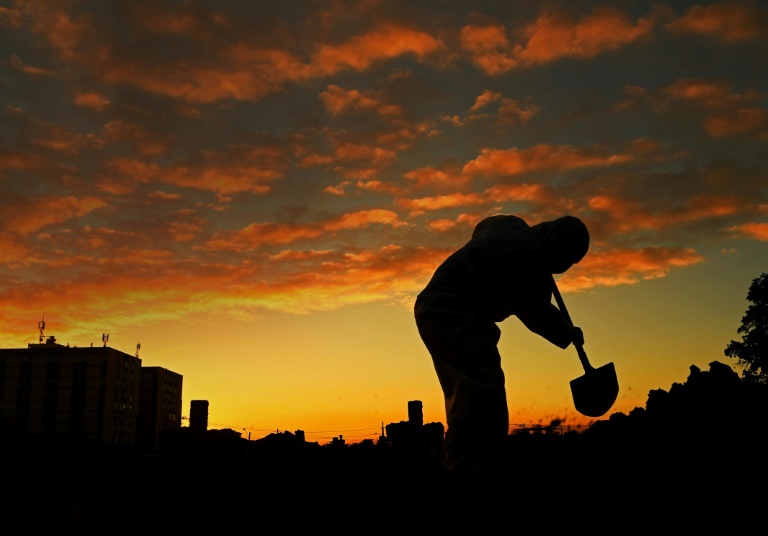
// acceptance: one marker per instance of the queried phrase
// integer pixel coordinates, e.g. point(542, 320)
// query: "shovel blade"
point(595, 392)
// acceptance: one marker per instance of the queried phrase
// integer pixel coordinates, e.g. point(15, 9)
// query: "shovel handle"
point(579, 348)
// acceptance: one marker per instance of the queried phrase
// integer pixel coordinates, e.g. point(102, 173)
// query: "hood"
point(565, 241)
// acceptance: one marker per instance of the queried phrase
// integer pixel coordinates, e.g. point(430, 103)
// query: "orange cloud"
point(61, 139)
point(119, 248)
point(10, 17)
point(390, 273)
point(352, 161)
point(339, 189)
point(729, 113)
point(442, 201)
point(150, 297)
point(728, 21)
point(355, 151)
point(745, 121)
point(12, 250)
point(441, 225)
point(137, 169)
point(489, 48)
point(485, 99)
point(714, 94)
point(350, 152)
point(552, 36)
point(702, 90)
point(48, 211)
point(555, 35)
point(453, 119)
point(95, 101)
point(16, 63)
point(645, 146)
point(338, 101)
point(257, 234)
point(628, 216)
point(380, 187)
point(386, 41)
point(316, 160)
point(119, 175)
point(184, 231)
point(296, 255)
point(448, 178)
point(623, 266)
point(707, 206)
point(9, 160)
point(758, 231)
point(301, 282)
point(59, 29)
point(145, 141)
point(163, 196)
point(377, 186)
point(400, 138)
point(363, 218)
point(233, 170)
point(536, 194)
point(243, 72)
point(139, 257)
point(224, 180)
point(509, 110)
point(247, 70)
point(496, 162)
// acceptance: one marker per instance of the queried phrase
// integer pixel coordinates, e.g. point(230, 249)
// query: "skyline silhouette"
point(687, 447)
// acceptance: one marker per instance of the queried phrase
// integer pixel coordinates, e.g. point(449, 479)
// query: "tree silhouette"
point(752, 350)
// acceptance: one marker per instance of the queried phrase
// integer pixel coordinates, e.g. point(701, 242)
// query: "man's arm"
point(549, 322)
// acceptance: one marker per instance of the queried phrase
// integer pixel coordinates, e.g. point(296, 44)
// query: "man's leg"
point(468, 365)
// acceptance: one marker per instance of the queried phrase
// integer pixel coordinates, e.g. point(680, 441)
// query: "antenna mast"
point(105, 338)
point(138, 347)
point(41, 329)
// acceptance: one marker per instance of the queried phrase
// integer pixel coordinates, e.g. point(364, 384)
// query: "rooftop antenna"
point(41, 328)
point(138, 347)
point(105, 338)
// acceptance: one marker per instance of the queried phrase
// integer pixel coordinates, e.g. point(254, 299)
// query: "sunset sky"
point(255, 192)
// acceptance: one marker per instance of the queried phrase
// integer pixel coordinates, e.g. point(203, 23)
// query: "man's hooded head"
point(565, 241)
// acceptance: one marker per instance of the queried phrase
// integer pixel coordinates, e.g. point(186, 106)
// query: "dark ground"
point(545, 483)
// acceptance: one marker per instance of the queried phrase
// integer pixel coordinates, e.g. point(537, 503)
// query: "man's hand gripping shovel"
point(595, 392)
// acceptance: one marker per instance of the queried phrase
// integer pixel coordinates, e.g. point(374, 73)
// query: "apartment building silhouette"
point(159, 405)
point(96, 394)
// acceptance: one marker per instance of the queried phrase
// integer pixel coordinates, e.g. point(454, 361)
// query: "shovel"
point(595, 392)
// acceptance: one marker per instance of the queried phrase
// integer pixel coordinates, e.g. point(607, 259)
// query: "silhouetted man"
point(505, 269)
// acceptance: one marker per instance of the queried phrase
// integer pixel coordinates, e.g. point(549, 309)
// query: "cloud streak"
point(550, 37)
